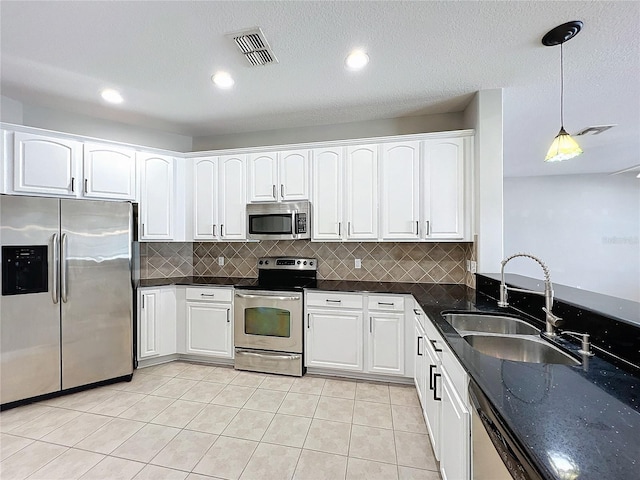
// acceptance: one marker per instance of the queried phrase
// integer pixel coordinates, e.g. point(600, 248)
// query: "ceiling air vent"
point(254, 46)
point(595, 130)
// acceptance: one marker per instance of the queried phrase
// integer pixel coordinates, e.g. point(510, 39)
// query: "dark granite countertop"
point(578, 422)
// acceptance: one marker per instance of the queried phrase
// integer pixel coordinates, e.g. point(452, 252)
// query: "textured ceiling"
point(426, 57)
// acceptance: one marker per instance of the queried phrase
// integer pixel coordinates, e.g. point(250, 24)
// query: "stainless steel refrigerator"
point(66, 305)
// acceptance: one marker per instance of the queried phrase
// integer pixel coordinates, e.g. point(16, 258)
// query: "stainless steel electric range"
point(268, 331)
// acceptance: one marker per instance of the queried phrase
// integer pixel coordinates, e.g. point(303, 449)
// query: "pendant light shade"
point(563, 147)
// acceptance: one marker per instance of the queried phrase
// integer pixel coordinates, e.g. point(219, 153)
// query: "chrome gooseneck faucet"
point(553, 321)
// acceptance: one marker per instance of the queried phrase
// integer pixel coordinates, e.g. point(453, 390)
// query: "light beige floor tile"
point(76, 430)
point(221, 375)
point(144, 383)
point(60, 400)
point(404, 395)
point(227, 458)
point(10, 444)
point(372, 414)
point(248, 379)
point(212, 419)
point(306, 384)
point(118, 403)
point(71, 464)
point(301, 404)
point(146, 443)
point(153, 472)
point(178, 414)
point(203, 392)
point(233, 396)
point(408, 419)
point(265, 400)
point(320, 466)
point(371, 443)
point(372, 392)
point(249, 425)
point(28, 460)
point(174, 388)
point(277, 382)
point(408, 473)
point(359, 469)
point(10, 419)
point(329, 437)
point(185, 450)
point(170, 369)
point(196, 372)
point(414, 450)
point(197, 476)
point(110, 436)
point(287, 430)
point(112, 468)
point(45, 423)
point(340, 389)
point(271, 461)
point(85, 401)
point(336, 409)
point(147, 408)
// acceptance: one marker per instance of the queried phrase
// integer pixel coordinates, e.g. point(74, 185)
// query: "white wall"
point(484, 114)
point(10, 110)
point(585, 227)
point(344, 131)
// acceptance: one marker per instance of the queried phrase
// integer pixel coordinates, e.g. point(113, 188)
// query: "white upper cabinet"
point(443, 177)
point(109, 172)
point(232, 197)
point(205, 201)
point(361, 192)
point(46, 165)
point(275, 177)
point(327, 175)
point(400, 190)
point(157, 200)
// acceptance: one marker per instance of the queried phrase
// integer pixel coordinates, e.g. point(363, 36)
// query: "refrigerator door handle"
point(55, 291)
point(63, 268)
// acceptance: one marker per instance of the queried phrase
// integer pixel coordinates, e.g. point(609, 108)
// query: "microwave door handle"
point(294, 224)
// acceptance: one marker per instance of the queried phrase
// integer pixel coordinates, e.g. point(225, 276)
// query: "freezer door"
point(30, 322)
point(96, 291)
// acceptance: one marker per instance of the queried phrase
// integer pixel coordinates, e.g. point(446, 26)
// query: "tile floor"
point(188, 421)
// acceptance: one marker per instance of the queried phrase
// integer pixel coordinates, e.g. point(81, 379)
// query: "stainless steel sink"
point(519, 349)
point(473, 322)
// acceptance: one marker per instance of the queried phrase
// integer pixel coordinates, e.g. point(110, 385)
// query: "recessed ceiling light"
point(112, 96)
point(223, 80)
point(356, 60)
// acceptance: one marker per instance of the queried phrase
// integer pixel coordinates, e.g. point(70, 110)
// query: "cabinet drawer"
point(208, 294)
point(330, 299)
point(386, 302)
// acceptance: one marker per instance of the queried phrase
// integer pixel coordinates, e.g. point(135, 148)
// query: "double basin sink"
point(507, 338)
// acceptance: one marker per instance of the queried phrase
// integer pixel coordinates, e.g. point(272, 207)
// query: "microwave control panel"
point(301, 223)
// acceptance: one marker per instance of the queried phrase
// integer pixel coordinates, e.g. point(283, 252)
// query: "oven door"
point(268, 320)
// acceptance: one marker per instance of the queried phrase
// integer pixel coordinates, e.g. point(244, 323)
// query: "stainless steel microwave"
point(279, 221)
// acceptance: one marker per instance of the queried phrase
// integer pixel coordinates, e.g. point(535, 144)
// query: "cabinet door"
point(109, 172)
point(386, 343)
point(157, 198)
point(443, 188)
point(361, 191)
point(400, 195)
point(419, 375)
point(205, 201)
point(46, 165)
point(149, 301)
point(334, 340)
point(232, 197)
point(263, 177)
point(327, 194)
point(455, 458)
point(293, 172)
point(209, 330)
point(432, 395)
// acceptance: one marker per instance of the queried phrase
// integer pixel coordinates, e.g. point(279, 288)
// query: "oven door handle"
point(269, 297)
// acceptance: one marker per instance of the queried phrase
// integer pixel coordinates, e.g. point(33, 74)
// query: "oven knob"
point(266, 262)
point(260, 262)
point(304, 263)
point(298, 262)
point(311, 264)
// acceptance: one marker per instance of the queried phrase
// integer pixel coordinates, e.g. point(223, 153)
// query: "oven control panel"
point(287, 263)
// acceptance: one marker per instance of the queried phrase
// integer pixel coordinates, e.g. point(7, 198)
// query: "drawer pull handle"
point(416, 311)
point(435, 387)
point(386, 304)
point(207, 294)
point(433, 342)
point(419, 338)
point(328, 300)
point(431, 367)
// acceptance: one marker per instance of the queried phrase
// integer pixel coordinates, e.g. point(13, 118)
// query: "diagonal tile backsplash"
point(383, 262)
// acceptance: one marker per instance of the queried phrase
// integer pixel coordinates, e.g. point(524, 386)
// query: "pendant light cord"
point(561, 88)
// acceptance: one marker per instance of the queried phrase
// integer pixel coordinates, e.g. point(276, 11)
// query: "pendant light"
point(563, 147)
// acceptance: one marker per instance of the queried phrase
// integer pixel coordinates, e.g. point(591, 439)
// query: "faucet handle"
point(555, 320)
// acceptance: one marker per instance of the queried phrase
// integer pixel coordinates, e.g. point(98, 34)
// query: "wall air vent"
point(595, 130)
point(254, 46)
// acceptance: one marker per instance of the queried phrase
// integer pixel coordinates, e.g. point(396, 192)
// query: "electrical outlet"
point(472, 266)
point(221, 261)
point(358, 263)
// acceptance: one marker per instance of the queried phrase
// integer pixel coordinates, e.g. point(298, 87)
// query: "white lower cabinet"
point(455, 436)
point(385, 352)
point(334, 339)
point(209, 322)
point(156, 322)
